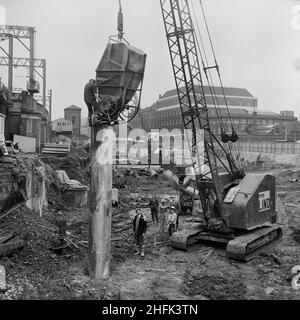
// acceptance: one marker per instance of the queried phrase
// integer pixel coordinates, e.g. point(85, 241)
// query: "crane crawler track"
point(248, 246)
point(243, 248)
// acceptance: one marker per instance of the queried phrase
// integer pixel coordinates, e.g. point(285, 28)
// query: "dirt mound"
point(37, 272)
point(164, 273)
point(216, 286)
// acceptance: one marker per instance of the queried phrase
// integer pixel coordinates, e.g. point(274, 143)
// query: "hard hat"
point(163, 200)
point(172, 208)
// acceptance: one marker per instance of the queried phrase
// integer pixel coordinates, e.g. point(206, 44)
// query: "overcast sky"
point(257, 44)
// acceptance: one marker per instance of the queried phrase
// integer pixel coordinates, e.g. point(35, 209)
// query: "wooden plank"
point(6, 237)
point(11, 246)
point(11, 211)
point(3, 286)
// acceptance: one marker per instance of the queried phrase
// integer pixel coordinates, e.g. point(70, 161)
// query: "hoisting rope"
point(207, 72)
point(234, 136)
point(236, 154)
point(216, 62)
point(211, 87)
point(209, 79)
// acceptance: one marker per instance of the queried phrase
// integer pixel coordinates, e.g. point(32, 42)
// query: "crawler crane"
point(239, 208)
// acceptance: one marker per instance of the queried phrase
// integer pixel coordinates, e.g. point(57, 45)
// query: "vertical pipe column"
point(10, 66)
point(50, 105)
point(32, 56)
point(255, 119)
point(49, 123)
point(44, 82)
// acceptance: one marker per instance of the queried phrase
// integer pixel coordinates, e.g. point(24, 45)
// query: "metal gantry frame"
point(187, 74)
point(26, 63)
point(20, 33)
point(16, 31)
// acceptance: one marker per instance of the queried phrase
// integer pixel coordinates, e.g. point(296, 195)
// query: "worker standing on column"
point(139, 229)
point(91, 98)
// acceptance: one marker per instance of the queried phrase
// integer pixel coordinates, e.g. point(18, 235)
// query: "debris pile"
point(10, 242)
point(75, 164)
point(53, 264)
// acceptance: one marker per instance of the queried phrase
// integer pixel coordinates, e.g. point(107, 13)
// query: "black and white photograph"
point(149, 151)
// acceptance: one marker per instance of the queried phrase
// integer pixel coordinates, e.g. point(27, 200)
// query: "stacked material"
point(56, 149)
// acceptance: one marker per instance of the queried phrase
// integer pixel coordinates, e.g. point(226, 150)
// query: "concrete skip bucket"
point(119, 78)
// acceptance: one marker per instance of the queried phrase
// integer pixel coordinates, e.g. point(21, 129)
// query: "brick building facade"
point(73, 114)
point(61, 131)
point(26, 117)
point(245, 116)
point(22, 115)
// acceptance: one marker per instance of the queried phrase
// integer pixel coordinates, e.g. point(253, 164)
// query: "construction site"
point(193, 197)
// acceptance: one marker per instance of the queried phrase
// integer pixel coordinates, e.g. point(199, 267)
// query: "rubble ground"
point(204, 272)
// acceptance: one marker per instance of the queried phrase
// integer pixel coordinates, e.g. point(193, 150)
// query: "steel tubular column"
point(10, 66)
point(44, 83)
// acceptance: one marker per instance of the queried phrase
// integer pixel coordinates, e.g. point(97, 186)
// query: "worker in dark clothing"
point(139, 229)
point(163, 212)
point(176, 204)
point(1, 151)
point(154, 204)
point(90, 98)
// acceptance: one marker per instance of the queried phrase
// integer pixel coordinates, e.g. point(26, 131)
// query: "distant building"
point(73, 114)
point(26, 117)
point(85, 128)
point(22, 115)
point(61, 130)
point(247, 120)
point(62, 126)
point(81, 140)
point(62, 139)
